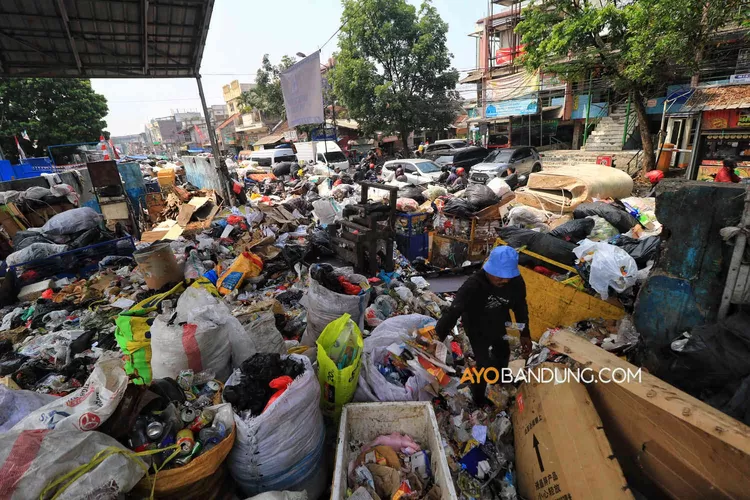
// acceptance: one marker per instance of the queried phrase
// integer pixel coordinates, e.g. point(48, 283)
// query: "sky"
point(241, 31)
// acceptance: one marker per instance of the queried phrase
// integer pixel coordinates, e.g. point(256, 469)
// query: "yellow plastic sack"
point(246, 265)
point(340, 348)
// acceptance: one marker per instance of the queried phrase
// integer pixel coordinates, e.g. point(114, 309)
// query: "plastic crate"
point(415, 246)
point(78, 263)
point(363, 422)
point(411, 224)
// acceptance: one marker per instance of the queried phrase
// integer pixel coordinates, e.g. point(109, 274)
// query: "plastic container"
point(166, 177)
point(365, 421)
point(415, 246)
point(158, 265)
point(410, 224)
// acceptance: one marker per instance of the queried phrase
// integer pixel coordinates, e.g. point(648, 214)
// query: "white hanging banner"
point(303, 91)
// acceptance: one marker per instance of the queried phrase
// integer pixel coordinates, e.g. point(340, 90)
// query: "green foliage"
point(393, 70)
point(267, 97)
point(52, 111)
point(640, 45)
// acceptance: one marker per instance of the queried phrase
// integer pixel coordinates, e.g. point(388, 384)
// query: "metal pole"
point(221, 166)
point(734, 265)
point(529, 130)
point(541, 109)
point(661, 137)
point(588, 112)
point(627, 118)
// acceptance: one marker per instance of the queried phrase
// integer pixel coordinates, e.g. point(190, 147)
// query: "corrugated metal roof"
point(725, 97)
point(269, 139)
point(93, 38)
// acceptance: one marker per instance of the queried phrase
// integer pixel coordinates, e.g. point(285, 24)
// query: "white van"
point(333, 158)
point(269, 158)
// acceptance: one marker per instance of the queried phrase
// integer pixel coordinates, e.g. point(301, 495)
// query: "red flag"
point(21, 154)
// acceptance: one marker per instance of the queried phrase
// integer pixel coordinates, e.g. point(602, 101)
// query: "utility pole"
point(221, 165)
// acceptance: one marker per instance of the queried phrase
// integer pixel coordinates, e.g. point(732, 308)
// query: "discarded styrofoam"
point(363, 422)
point(35, 290)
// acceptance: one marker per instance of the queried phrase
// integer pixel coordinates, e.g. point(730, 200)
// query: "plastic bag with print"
point(86, 408)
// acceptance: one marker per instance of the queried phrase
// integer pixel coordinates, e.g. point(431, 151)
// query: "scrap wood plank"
point(687, 448)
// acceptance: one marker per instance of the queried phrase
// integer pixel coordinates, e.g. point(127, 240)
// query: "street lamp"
point(300, 54)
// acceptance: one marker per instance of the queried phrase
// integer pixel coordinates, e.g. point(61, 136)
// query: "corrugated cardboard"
point(561, 450)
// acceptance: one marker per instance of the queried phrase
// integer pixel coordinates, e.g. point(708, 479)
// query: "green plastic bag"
point(340, 348)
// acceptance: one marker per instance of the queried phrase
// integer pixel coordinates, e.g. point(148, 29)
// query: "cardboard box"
point(667, 441)
point(562, 452)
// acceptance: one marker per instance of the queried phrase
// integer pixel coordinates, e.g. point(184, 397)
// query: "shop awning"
point(720, 97)
point(269, 139)
point(116, 38)
point(474, 77)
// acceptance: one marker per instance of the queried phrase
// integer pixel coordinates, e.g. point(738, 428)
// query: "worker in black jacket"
point(484, 303)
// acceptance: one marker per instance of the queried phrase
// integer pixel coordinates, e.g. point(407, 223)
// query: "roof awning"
point(256, 127)
point(721, 97)
point(115, 39)
point(473, 77)
point(269, 139)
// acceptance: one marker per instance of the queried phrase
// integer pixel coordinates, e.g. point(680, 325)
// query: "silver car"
point(511, 164)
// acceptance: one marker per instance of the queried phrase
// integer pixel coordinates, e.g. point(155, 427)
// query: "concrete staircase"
point(607, 136)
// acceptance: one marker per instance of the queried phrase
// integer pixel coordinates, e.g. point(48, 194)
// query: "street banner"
point(303, 92)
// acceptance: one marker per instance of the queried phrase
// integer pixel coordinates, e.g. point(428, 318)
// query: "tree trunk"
point(404, 138)
point(647, 142)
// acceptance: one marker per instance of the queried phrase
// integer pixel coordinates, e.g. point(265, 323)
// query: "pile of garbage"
point(391, 466)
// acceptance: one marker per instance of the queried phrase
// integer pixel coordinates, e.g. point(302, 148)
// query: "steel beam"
point(66, 26)
point(144, 29)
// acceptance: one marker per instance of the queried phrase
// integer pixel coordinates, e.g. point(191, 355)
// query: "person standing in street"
point(484, 303)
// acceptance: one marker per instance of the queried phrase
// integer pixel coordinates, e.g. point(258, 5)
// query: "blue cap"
point(503, 263)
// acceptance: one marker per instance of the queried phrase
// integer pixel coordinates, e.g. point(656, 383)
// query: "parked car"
point(512, 164)
point(445, 144)
point(417, 171)
point(463, 157)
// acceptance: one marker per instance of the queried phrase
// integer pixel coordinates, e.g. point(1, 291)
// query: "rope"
point(66, 480)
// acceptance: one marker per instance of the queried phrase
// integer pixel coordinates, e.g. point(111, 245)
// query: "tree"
point(393, 69)
point(267, 97)
point(640, 46)
point(51, 111)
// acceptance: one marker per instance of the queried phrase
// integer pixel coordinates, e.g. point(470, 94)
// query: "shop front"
point(724, 129)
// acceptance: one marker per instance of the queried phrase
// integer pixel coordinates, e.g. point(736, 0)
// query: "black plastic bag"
point(641, 250)
point(714, 356)
point(320, 244)
point(618, 217)
point(553, 248)
point(480, 196)
point(413, 192)
point(459, 207)
point(283, 168)
point(573, 231)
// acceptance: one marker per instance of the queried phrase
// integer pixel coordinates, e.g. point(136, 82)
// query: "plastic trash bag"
point(258, 335)
point(246, 265)
point(528, 217)
point(373, 386)
point(34, 251)
point(641, 250)
point(197, 337)
point(602, 230)
point(541, 243)
point(282, 448)
point(84, 409)
point(611, 266)
point(72, 221)
point(434, 192)
point(499, 187)
point(324, 306)
point(618, 217)
point(574, 230)
point(480, 196)
point(459, 207)
point(36, 193)
point(16, 404)
point(339, 356)
point(34, 459)
point(381, 309)
point(407, 205)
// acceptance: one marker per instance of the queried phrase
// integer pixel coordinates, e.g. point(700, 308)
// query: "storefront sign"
point(516, 107)
point(743, 119)
point(327, 134)
point(740, 79)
